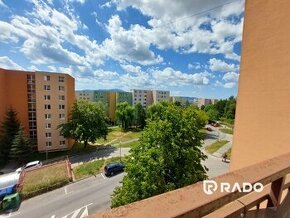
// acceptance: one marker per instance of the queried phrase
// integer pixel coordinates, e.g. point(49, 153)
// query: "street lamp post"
point(120, 151)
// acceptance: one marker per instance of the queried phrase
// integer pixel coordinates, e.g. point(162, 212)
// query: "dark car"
point(113, 169)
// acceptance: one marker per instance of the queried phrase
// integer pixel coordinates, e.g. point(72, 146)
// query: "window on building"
point(61, 97)
point(61, 79)
point(47, 97)
point(48, 126)
point(47, 87)
point(48, 134)
point(47, 78)
point(62, 142)
point(61, 116)
point(61, 106)
point(48, 144)
point(47, 116)
point(47, 106)
point(61, 88)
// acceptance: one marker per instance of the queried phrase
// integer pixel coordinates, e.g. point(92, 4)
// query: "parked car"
point(112, 169)
point(30, 166)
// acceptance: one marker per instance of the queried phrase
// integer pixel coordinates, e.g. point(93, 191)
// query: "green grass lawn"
point(93, 167)
point(229, 152)
point(227, 131)
point(128, 145)
point(215, 146)
point(44, 179)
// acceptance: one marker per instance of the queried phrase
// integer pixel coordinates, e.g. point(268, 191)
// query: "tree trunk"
point(85, 143)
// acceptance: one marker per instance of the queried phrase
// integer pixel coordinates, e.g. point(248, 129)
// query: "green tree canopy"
point(139, 116)
point(87, 122)
point(168, 156)
point(21, 147)
point(9, 128)
point(125, 115)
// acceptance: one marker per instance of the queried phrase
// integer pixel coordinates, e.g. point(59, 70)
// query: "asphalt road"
point(73, 201)
point(90, 195)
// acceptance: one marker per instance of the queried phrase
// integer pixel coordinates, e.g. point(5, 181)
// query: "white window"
point(61, 97)
point(61, 88)
point(48, 134)
point(61, 116)
point(47, 97)
point(47, 106)
point(61, 106)
point(62, 142)
point(47, 87)
point(48, 126)
point(47, 116)
point(61, 78)
point(47, 78)
point(48, 144)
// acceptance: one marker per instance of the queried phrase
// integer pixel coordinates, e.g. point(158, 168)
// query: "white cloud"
point(105, 74)
point(131, 69)
point(172, 77)
point(7, 63)
point(220, 65)
point(129, 45)
point(231, 77)
point(2, 4)
point(229, 85)
point(174, 25)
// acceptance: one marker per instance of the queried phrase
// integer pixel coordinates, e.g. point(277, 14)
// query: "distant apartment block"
point(205, 102)
point(184, 100)
point(85, 95)
point(160, 96)
point(109, 99)
point(42, 100)
point(149, 97)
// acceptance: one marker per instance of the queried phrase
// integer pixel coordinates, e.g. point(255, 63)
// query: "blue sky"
point(189, 47)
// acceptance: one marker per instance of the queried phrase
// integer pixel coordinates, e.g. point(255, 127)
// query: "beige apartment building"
point(205, 102)
point(42, 101)
point(85, 95)
point(160, 96)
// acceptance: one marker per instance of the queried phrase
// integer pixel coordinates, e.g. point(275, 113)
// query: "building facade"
point(204, 102)
point(85, 95)
point(42, 101)
point(160, 96)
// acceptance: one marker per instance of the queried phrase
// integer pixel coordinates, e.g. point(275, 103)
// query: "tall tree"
point(139, 116)
point(87, 122)
point(125, 115)
point(21, 147)
point(168, 157)
point(9, 128)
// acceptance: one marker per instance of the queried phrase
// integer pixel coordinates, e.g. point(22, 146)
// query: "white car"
point(30, 166)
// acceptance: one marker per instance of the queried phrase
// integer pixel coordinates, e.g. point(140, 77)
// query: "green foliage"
point(9, 128)
point(21, 147)
point(167, 156)
point(201, 118)
point(125, 115)
point(139, 116)
point(215, 146)
point(87, 122)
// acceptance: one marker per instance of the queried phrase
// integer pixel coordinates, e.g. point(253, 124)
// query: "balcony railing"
point(192, 201)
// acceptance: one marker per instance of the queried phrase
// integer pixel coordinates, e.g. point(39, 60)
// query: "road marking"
point(53, 216)
point(65, 191)
point(79, 213)
point(103, 176)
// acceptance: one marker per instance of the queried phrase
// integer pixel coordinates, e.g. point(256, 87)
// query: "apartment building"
point(144, 97)
point(42, 100)
point(160, 96)
point(85, 95)
point(109, 99)
point(205, 102)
